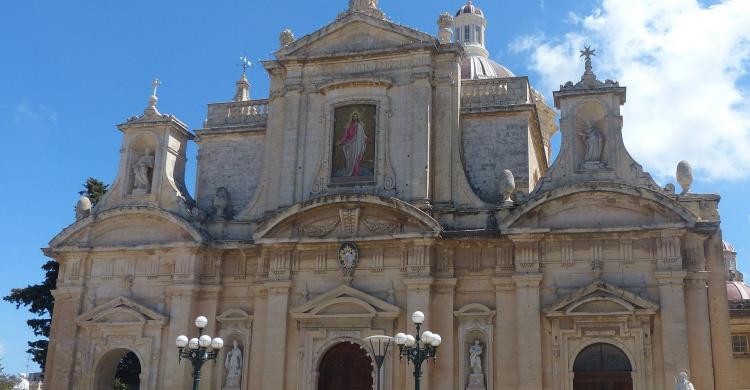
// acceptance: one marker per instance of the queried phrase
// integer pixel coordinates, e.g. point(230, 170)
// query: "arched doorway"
point(346, 366)
point(602, 367)
point(119, 369)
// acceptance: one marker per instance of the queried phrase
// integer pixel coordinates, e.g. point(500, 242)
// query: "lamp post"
point(199, 349)
point(417, 350)
point(379, 347)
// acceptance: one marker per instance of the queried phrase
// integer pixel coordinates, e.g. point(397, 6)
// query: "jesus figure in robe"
point(354, 142)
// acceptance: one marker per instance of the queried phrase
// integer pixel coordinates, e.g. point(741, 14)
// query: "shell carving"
point(684, 176)
point(507, 186)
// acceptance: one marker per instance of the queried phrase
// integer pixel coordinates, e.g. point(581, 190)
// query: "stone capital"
point(418, 283)
point(528, 280)
point(671, 277)
point(64, 293)
point(278, 287)
point(445, 286)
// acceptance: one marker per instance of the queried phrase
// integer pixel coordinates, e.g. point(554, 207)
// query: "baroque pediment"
point(344, 306)
point(348, 216)
point(601, 298)
point(121, 311)
point(355, 33)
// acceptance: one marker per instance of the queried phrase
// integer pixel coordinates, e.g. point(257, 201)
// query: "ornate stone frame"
point(573, 328)
point(384, 180)
point(235, 324)
point(475, 318)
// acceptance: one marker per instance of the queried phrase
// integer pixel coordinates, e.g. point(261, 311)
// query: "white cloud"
point(25, 111)
point(683, 64)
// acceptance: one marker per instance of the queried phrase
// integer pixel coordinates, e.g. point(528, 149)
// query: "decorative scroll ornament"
point(381, 228)
point(348, 260)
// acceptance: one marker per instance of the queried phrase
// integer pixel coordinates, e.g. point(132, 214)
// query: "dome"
point(477, 68)
point(470, 9)
point(737, 291)
point(728, 247)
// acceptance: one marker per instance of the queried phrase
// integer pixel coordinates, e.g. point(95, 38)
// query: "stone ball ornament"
point(507, 186)
point(684, 176)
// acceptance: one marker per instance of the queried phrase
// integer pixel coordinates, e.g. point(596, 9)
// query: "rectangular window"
point(458, 35)
point(467, 33)
point(478, 32)
point(739, 343)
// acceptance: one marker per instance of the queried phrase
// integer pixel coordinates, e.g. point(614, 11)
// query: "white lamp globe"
point(182, 341)
point(217, 343)
point(427, 337)
point(205, 341)
point(193, 343)
point(201, 322)
point(436, 340)
point(417, 317)
point(400, 338)
point(410, 341)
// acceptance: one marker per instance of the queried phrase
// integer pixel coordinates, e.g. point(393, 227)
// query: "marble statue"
point(594, 144)
point(222, 205)
point(684, 176)
point(683, 382)
point(23, 384)
point(142, 173)
point(507, 186)
point(83, 207)
point(475, 357)
point(233, 364)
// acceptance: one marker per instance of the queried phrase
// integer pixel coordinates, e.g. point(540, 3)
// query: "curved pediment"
point(348, 216)
point(599, 206)
point(128, 227)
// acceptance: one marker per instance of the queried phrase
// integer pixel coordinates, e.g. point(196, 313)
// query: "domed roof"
point(478, 68)
point(469, 9)
point(728, 247)
point(737, 291)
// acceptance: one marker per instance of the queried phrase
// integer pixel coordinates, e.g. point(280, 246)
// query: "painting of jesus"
point(354, 141)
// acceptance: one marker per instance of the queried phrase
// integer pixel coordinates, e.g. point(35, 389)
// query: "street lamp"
point(418, 350)
point(199, 349)
point(379, 347)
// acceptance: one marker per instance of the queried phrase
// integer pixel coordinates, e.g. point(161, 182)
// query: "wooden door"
point(603, 381)
point(346, 366)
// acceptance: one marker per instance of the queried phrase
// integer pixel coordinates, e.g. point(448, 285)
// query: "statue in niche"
point(475, 357)
point(143, 173)
point(233, 364)
point(222, 205)
point(594, 142)
point(683, 382)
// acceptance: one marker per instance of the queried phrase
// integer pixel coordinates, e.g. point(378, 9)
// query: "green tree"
point(6, 381)
point(38, 297)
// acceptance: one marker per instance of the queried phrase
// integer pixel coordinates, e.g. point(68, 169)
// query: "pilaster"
point(418, 296)
point(181, 316)
point(718, 306)
point(506, 334)
point(442, 311)
point(674, 331)
point(275, 343)
point(528, 318)
point(62, 346)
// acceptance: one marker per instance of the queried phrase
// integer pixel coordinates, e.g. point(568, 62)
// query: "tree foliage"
point(38, 297)
point(7, 381)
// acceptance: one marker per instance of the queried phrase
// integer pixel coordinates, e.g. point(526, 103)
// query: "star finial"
point(587, 52)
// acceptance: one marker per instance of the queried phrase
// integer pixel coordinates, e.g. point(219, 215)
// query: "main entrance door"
point(602, 367)
point(346, 366)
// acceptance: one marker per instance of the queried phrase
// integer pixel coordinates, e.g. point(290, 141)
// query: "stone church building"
point(390, 171)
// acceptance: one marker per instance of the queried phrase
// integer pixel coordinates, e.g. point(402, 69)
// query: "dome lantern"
point(470, 29)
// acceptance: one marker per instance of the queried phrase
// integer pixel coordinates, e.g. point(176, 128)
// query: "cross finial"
point(155, 84)
point(152, 101)
point(245, 63)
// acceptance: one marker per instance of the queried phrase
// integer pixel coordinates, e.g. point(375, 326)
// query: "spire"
point(243, 86)
point(151, 109)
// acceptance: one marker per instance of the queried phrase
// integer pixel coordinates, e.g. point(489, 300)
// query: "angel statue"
point(683, 383)
point(475, 357)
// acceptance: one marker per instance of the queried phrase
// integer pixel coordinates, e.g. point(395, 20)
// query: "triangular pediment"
point(121, 311)
point(601, 298)
point(344, 306)
point(355, 33)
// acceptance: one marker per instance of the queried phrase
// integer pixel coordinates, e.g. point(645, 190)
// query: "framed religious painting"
point(353, 156)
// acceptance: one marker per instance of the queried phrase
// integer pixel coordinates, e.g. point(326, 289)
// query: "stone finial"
point(507, 186)
point(684, 176)
point(243, 86)
point(151, 109)
point(83, 207)
point(362, 5)
point(445, 26)
point(286, 38)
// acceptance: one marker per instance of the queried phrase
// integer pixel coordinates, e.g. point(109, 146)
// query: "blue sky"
point(72, 70)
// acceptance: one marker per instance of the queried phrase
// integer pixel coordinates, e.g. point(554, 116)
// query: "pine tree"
point(38, 297)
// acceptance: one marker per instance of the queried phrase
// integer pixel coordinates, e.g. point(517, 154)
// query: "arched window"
point(478, 33)
point(467, 33)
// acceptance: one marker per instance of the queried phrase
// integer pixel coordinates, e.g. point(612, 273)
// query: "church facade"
point(393, 171)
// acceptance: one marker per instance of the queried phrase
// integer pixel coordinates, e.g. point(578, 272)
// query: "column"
point(506, 334)
point(721, 341)
point(418, 299)
point(443, 377)
point(62, 347)
point(674, 332)
point(528, 319)
point(274, 345)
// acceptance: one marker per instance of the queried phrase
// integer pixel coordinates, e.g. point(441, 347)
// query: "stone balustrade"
point(482, 94)
point(247, 113)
